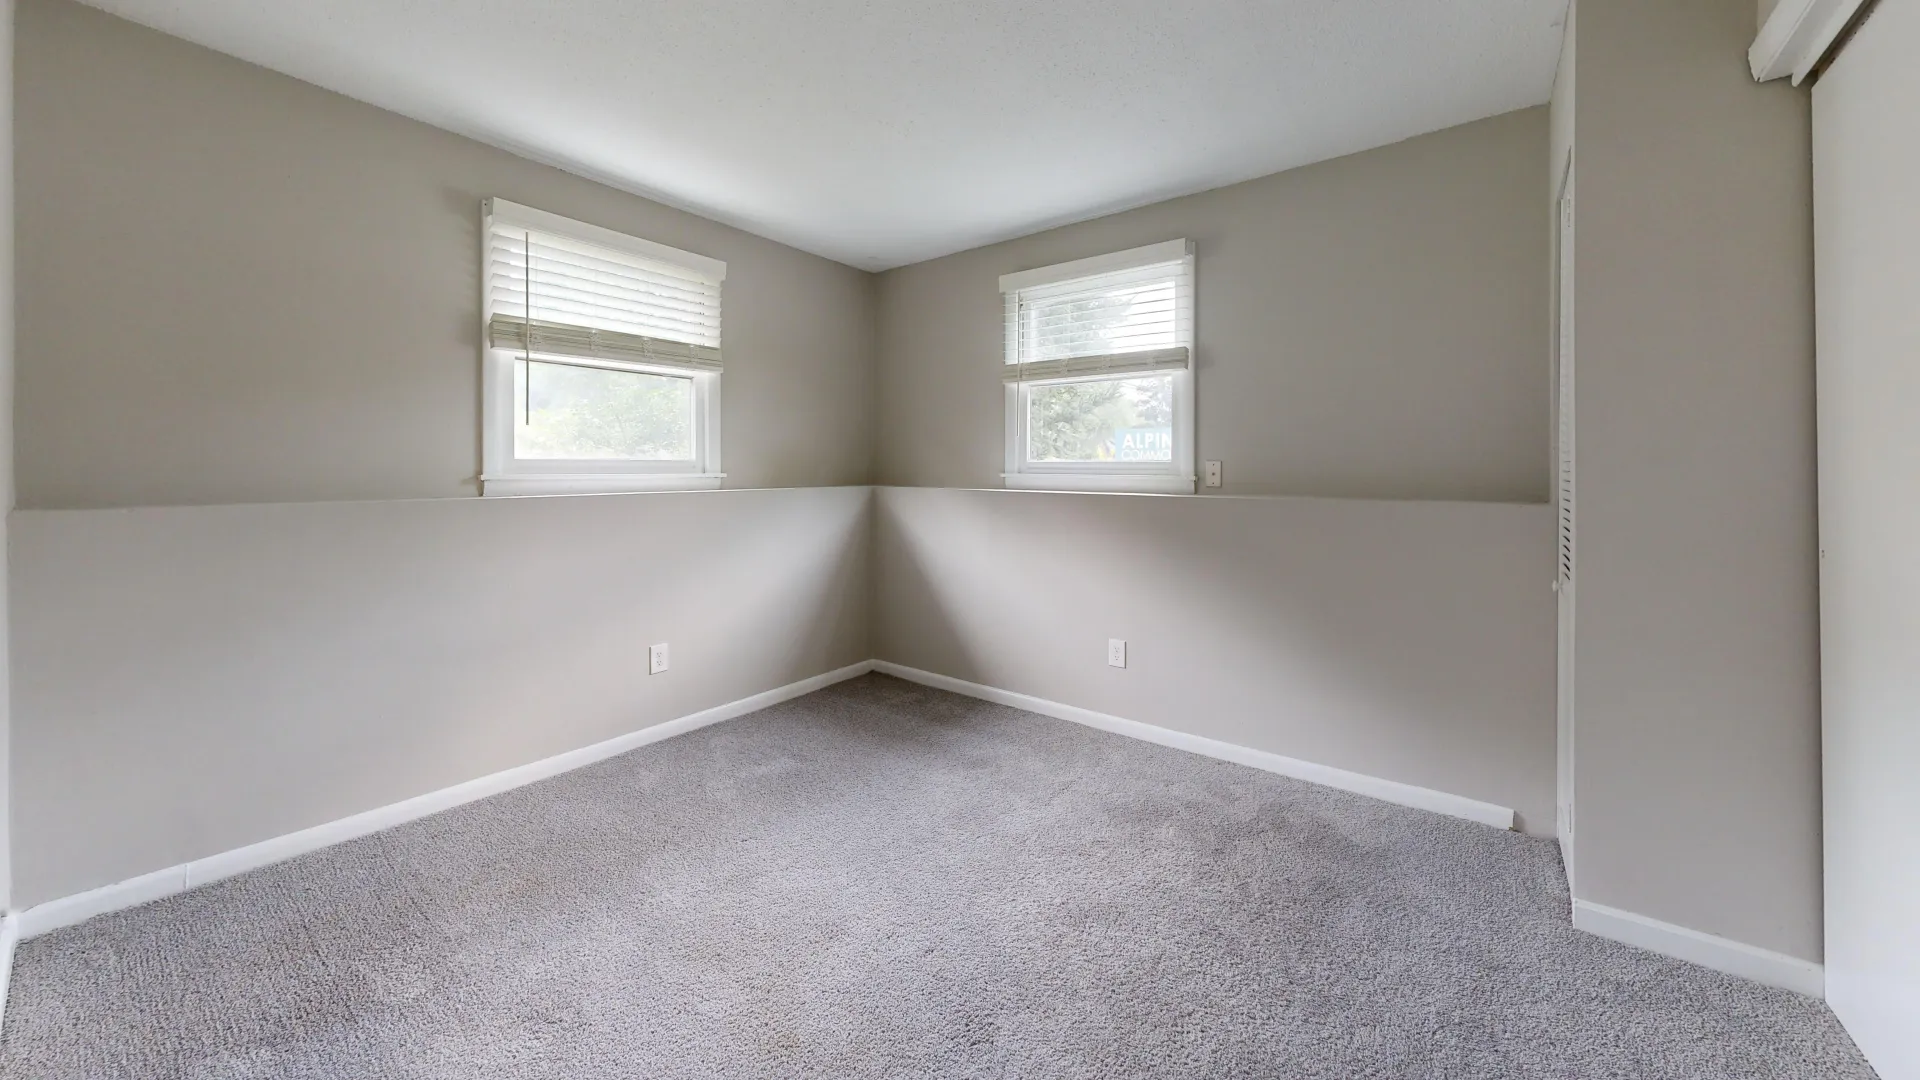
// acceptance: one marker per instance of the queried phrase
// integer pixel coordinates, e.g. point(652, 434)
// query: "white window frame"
point(1175, 477)
point(505, 474)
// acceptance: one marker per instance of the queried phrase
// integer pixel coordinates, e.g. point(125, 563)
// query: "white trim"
point(9, 940)
point(598, 483)
point(1877, 1008)
point(527, 217)
point(1718, 953)
point(1796, 36)
point(1165, 252)
point(66, 911)
point(1392, 791)
point(1096, 482)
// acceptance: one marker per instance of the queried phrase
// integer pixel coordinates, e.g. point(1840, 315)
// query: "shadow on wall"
point(1408, 641)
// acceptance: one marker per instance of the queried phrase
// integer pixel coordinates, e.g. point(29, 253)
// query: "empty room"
point(1297, 539)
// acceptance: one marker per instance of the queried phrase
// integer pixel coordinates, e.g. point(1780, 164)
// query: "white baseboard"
point(1718, 953)
point(66, 911)
point(9, 938)
point(1392, 791)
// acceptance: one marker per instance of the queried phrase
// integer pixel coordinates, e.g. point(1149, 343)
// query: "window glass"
point(1107, 420)
point(569, 411)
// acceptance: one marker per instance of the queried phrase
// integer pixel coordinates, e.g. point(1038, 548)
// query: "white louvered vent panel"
point(1566, 409)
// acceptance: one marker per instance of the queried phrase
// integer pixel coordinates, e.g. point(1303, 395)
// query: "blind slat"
point(548, 245)
point(1127, 363)
point(630, 319)
point(556, 294)
point(621, 292)
point(513, 256)
point(1114, 279)
point(564, 339)
point(1133, 320)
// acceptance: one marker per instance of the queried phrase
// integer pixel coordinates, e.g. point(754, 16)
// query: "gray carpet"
point(881, 880)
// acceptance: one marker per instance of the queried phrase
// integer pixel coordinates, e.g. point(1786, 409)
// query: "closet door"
point(1866, 194)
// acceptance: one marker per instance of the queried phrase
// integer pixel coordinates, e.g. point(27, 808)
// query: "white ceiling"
point(884, 132)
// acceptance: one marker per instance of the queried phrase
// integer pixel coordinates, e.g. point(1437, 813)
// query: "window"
point(1099, 372)
point(602, 366)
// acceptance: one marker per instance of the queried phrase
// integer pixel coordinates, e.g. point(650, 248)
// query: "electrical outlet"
point(1213, 474)
point(1116, 653)
point(656, 658)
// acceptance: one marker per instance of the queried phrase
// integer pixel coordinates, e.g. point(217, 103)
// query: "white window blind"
point(561, 288)
point(1129, 313)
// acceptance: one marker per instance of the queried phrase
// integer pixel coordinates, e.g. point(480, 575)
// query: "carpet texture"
point(881, 880)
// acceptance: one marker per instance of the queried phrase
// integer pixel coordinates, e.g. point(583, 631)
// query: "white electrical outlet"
point(656, 658)
point(1213, 474)
point(1116, 653)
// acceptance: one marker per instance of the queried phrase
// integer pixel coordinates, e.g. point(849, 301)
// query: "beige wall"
point(1697, 689)
point(1411, 641)
point(1866, 170)
point(1368, 327)
point(237, 287)
point(195, 679)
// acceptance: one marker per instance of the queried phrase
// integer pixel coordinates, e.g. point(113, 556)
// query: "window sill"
point(1145, 483)
point(597, 483)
